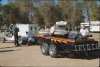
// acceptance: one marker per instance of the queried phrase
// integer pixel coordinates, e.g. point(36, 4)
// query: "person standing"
point(15, 33)
point(30, 36)
point(11, 29)
point(52, 29)
point(84, 31)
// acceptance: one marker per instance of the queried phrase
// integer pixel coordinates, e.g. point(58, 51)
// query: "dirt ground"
point(31, 56)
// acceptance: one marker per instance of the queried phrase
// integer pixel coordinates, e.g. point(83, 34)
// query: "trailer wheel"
point(53, 51)
point(45, 49)
point(2, 39)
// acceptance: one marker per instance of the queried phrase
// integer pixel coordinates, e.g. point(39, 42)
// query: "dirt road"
point(31, 56)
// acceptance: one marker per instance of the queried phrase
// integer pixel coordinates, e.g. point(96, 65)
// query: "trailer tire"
point(53, 51)
point(2, 39)
point(45, 49)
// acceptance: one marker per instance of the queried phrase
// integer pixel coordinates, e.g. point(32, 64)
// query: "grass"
point(96, 36)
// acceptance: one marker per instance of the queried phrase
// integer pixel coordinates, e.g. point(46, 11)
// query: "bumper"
point(86, 47)
point(81, 51)
point(97, 49)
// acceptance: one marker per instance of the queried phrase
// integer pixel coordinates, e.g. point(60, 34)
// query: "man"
point(11, 29)
point(84, 31)
point(15, 32)
point(52, 29)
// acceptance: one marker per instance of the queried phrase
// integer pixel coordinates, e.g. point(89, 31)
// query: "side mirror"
point(26, 32)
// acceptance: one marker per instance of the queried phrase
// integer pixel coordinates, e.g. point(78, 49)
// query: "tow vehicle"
point(59, 43)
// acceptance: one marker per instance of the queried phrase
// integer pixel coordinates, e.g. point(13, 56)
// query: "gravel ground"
point(31, 56)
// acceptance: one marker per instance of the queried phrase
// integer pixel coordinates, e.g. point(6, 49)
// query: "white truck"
point(95, 26)
point(59, 29)
point(26, 31)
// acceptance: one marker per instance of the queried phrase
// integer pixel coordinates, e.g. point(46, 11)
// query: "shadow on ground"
point(2, 51)
point(9, 42)
point(7, 47)
point(95, 55)
point(89, 57)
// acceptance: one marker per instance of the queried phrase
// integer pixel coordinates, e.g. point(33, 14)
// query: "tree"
point(10, 13)
point(98, 13)
point(1, 20)
point(72, 12)
point(46, 12)
point(28, 8)
point(94, 11)
point(91, 10)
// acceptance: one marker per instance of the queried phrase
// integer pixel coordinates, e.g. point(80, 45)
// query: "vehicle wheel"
point(20, 41)
point(2, 40)
point(53, 51)
point(45, 49)
point(31, 41)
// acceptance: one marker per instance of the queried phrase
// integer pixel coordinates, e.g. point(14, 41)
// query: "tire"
point(2, 39)
point(31, 41)
point(21, 41)
point(45, 49)
point(53, 51)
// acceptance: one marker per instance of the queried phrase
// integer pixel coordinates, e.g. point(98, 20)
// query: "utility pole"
point(88, 10)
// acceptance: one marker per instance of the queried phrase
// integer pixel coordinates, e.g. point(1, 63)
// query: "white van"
point(24, 32)
point(94, 26)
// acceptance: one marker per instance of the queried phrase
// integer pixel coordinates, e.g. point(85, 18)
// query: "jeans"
point(16, 40)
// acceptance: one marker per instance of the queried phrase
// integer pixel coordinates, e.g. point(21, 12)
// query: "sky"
point(98, 2)
point(4, 2)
